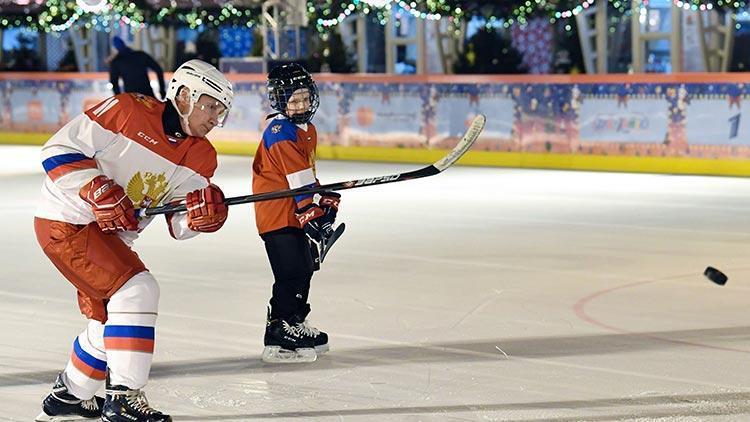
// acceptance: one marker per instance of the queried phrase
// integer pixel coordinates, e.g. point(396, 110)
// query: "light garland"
point(575, 11)
point(384, 8)
point(347, 10)
point(693, 6)
point(93, 6)
point(194, 19)
point(67, 25)
point(377, 3)
point(87, 13)
point(61, 15)
point(416, 13)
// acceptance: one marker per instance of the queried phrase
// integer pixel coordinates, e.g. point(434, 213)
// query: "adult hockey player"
point(286, 160)
point(128, 153)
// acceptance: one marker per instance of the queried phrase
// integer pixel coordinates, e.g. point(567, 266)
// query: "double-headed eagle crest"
point(147, 189)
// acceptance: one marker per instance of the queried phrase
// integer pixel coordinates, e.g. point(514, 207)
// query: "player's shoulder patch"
point(148, 102)
point(143, 108)
point(279, 130)
point(125, 98)
point(126, 112)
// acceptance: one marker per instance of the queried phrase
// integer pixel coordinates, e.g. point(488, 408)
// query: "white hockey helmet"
point(201, 78)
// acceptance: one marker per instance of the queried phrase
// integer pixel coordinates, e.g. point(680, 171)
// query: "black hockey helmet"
point(283, 81)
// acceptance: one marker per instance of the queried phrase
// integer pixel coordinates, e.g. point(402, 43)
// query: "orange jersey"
point(285, 160)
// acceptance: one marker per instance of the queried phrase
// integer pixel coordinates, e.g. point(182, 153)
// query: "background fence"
point(680, 123)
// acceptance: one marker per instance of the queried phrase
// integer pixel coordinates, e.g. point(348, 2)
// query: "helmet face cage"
point(283, 81)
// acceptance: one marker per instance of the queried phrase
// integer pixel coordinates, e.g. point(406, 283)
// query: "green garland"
point(59, 15)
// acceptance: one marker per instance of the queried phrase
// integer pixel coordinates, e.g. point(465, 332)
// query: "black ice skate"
point(319, 338)
point(60, 405)
point(285, 343)
point(126, 405)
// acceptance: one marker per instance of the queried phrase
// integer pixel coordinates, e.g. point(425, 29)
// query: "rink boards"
point(681, 123)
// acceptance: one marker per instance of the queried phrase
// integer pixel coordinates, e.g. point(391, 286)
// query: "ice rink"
point(478, 294)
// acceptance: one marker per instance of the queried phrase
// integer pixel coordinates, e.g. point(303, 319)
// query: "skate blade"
point(321, 349)
point(275, 354)
point(43, 417)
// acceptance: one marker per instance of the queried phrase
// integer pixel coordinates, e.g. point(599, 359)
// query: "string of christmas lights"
point(60, 15)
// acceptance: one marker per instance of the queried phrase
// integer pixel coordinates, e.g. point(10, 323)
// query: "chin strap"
point(184, 117)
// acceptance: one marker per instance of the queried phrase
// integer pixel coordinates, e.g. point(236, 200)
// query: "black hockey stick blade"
point(327, 244)
point(467, 140)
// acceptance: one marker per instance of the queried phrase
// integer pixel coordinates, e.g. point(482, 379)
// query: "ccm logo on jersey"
point(377, 179)
point(148, 139)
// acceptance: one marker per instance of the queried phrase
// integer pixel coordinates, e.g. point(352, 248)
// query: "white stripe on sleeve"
point(301, 178)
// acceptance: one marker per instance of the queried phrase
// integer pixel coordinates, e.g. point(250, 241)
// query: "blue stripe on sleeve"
point(298, 198)
point(59, 160)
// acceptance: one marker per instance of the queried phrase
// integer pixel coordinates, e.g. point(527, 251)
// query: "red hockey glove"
point(206, 209)
point(315, 221)
point(112, 209)
point(330, 201)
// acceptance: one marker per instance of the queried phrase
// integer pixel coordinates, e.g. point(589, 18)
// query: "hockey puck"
point(715, 275)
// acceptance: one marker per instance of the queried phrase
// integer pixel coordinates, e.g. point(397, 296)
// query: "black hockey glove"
point(315, 221)
point(329, 202)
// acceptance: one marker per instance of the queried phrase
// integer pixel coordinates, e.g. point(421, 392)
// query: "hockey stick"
point(319, 249)
point(448, 160)
point(327, 243)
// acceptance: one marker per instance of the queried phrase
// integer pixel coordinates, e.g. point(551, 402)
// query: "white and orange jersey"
point(124, 139)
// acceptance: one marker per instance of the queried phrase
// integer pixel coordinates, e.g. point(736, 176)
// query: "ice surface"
point(478, 294)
